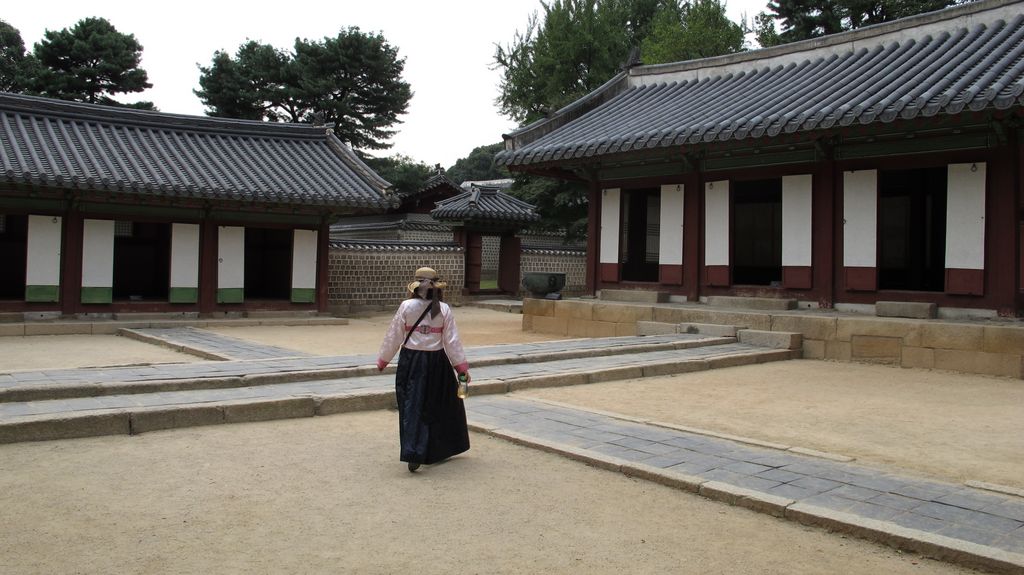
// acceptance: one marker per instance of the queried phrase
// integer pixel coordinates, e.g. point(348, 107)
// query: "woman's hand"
point(381, 364)
point(468, 378)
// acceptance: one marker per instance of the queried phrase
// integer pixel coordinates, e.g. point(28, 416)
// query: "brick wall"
point(365, 276)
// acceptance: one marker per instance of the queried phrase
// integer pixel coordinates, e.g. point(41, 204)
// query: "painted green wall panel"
point(303, 295)
point(230, 295)
point(183, 295)
point(42, 293)
point(97, 294)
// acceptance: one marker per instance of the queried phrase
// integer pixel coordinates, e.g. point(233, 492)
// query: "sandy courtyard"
point(327, 494)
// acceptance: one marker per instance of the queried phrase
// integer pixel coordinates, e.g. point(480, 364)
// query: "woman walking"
point(431, 416)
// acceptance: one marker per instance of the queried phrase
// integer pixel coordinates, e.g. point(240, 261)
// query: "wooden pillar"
point(823, 231)
point(208, 267)
point(593, 236)
point(71, 274)
point(323, 260)
point(474, 260)
point(509, 253)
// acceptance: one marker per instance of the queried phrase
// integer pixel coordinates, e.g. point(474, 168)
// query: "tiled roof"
point(56, 144)
point(394, 246)
point(438, 180)
point(487, 205)
point(969, 57)
point(388, 222)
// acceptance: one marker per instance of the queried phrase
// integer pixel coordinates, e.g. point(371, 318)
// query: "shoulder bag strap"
point(415, 325)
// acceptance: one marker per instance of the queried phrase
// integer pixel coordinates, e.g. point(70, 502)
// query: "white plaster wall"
point(671, 242)
point(43, 265)
point(796, 220)
point(98, 253)
point(304, 259)
point(610, 207)
point(716, 223)
point(230, 257)
point(184, 255)
point(965, 216)
point(860, 218)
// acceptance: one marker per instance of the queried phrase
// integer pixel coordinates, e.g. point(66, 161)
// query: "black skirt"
point(431, 417)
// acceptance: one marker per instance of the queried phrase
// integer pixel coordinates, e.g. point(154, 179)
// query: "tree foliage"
point(804, 19)
point(578, 45)
point(353, 80)
point(694, 30)
point(89, 62)
point(478, 165)
point(405, 174)
point(16, 66)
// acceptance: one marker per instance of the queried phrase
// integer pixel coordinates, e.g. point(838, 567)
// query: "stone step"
point(137, 413)
point(74, 383)
point(634, 296)
point(508, 306)
point(759, 303)
point(908, 309)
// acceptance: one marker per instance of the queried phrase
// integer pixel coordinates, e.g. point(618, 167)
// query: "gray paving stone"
point(972, 534)
point(925, 491)
point(854, 492)
point(620, 452)
point(920, 522)
point(828, 501)
point(780, 475)
point(969, 499)
point(968, 517)
point(740, 479)
point(1008, 509)
point(746, 468)
point(896, 501)
point(792, 492)
point(670, 459)
point(816, 484)
point(872, 511)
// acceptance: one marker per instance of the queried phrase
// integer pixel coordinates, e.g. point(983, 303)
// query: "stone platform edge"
point(967, 347)
point(110, 327)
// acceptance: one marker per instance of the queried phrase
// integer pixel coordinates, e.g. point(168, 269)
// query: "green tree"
point(691, 31)
point(561, 204)
point(353, 80)
point(90, 62)
point(17, 67)
point(405, 174)
point(804, 19)
point(579, 45)
point(478, 165)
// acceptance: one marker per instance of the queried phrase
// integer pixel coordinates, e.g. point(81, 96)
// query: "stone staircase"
point(57, 404)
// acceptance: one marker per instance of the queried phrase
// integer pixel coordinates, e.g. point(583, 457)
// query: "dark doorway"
point(641, 235)
point(757, 232)
point(142, 261)
point(13, 255)
point(912, 229)
point(268, 263)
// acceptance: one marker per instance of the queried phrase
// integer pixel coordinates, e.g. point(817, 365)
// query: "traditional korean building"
point(107, 210)
point(881, 164)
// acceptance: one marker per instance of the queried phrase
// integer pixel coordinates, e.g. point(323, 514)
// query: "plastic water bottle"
point(463, 386)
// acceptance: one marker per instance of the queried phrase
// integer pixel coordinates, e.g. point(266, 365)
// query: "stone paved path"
point(211, 345)
point(959, 522)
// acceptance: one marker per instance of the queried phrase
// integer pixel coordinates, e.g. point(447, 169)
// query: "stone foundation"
point(972, 347)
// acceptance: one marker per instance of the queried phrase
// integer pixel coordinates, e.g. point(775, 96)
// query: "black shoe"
point(413, 466)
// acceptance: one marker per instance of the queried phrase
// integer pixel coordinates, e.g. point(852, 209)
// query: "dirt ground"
point(327, 494)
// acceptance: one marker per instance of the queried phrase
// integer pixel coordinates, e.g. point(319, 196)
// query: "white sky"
point(448, 46)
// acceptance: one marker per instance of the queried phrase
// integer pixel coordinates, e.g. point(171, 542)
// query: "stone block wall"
point(570, 262)
point(988, 348)
point(364, 276)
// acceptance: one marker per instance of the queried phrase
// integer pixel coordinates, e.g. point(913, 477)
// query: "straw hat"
point(426, 275)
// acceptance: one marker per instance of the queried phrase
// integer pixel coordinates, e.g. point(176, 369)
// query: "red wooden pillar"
point(474, 260)
point(509, 253)
point(207, 267)
point(323, 274)
point(71, 272)
point(823, 233)
point(593, 236)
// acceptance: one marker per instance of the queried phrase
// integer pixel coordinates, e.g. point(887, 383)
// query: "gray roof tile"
point(965, 58)
point(51, 143)
point(485, 204)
